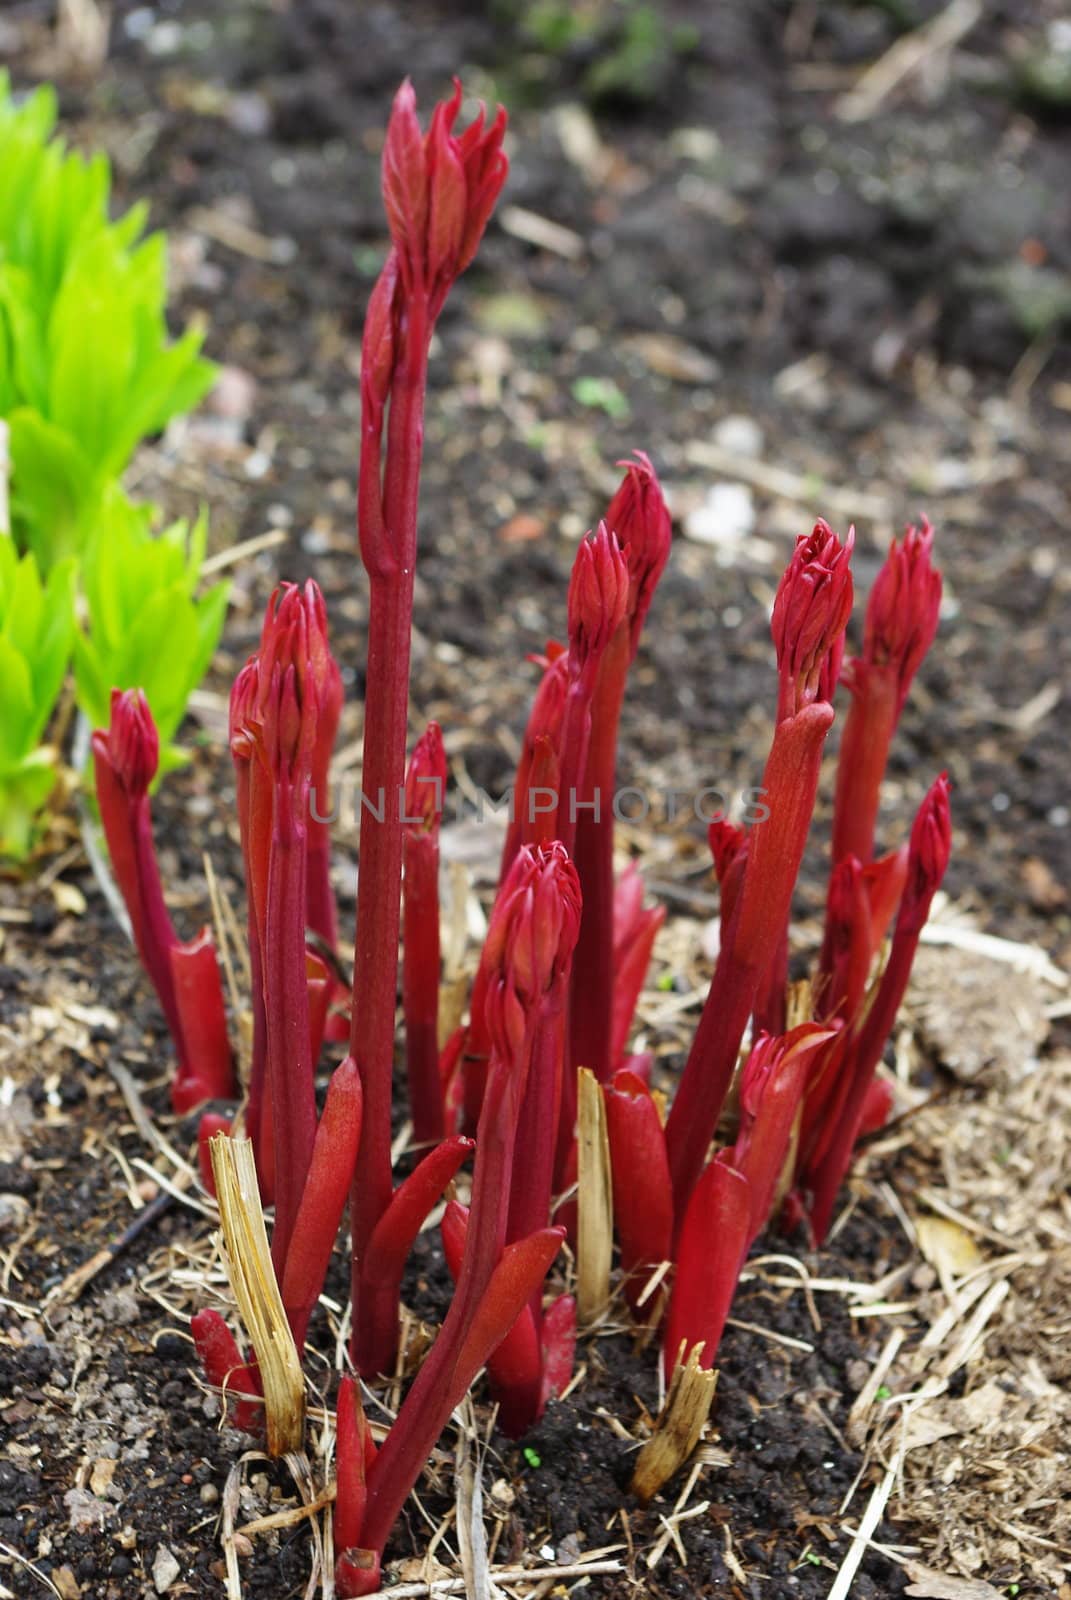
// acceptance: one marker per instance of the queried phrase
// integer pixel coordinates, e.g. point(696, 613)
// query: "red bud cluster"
point(425, 782)
point(132, 742)
point(598, 596)
point(638, 515)
point(439, 189)
point(810, 614)
point(530, 941)
point(904, 607)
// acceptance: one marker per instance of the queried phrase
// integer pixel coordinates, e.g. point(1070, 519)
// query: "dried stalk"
point(679, 1426)
point(595, 1201)
point(252, 1279)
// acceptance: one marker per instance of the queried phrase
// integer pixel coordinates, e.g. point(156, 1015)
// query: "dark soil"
point(918, 262)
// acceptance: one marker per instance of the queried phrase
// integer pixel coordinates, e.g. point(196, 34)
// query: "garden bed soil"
point(808, 305)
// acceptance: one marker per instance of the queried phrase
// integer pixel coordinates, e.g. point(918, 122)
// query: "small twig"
point(418, 1591)
point(67, 1292)
point(28, 1566)
point(907, 55)
point(871, 1517)
point(774, 1338)
point(239, 552)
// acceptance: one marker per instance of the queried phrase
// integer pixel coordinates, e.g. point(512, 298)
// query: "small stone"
point(85, 1512)
point(857, 1374)
point(209, 1494)
point(740, 435)
point(234, 395)
point(165, 1569)
point(725, 520)
point(522, 529)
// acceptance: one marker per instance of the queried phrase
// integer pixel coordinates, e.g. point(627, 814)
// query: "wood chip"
point(928, 1584)
point(679, 1426)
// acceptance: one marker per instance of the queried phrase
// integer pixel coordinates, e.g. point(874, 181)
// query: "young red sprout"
point(928, 853)
point(529, 950)
point(439, 191)
point(809, 617)
point(535, 803)
point(635, 930)
point(224, 1367)
point(185, 976)
point(425, 787)
point(643, 1193)
point(733, 1198)
point(276, 742)
point(326, 684)
point(253, 795)
point(638, 516)
point(901, 621)
point(597, 609)
point(534, 1361)
point(278, 703)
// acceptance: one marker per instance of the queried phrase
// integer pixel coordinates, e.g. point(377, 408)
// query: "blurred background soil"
point(816, 260)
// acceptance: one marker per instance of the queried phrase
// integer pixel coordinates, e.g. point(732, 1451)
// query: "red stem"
point(864, 1059)
point(713, 1245)
point(323, 1198)
point(420, 983)
point(286, 999)
point(388, 1249)
point(208, 1071)
point(425, 1411)
point(864, 754)
point(775, 849)
point(375, 975)
point(593, 961)
point(533, 1167)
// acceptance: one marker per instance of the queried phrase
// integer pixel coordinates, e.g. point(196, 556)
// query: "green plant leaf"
point(54, 488)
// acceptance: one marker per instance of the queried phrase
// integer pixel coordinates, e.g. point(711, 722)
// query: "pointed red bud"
point(643, 1193)
point(379, 344)
point(530, 941)
point(245, 695)
point(295, 675)
point(223, 1366)
point(771, 1087)
point(425, 782)
point(598, 595)
point(927, 861)
point(640, 518)
point(904, 606)
point(727, 843)
point(810, 614)
point(405, 185)
point(131, 744)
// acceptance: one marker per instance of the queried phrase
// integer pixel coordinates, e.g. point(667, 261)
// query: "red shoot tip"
point(598, 595)
point(425, 782)
point(727, 842)
point(531, 939)
point(290, 685)
point(439, 190)
point(927, 860)
point(131, 744)
point(638, 515)
point(810, 615)
point(904, 605)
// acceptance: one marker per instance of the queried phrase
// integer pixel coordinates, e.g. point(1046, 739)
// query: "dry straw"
point(252, 1278)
